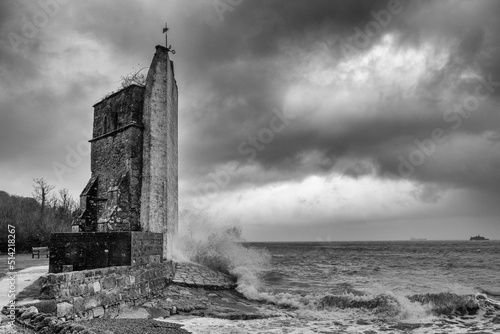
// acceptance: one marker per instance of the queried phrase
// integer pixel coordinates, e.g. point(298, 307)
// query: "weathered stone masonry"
point(111, 199)
point(102, 292)
point(159, 209)
point(88, 250)
point(134, 181)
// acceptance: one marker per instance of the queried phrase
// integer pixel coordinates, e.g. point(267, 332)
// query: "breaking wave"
point(218, 245)
point(385, 306)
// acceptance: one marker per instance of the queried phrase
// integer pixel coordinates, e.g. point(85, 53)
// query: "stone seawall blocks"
point(90, 292)
point(64, 308)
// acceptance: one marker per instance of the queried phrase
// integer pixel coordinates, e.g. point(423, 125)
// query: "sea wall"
point(103, 292)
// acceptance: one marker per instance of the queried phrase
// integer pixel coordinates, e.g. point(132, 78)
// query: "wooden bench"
point(38, 251)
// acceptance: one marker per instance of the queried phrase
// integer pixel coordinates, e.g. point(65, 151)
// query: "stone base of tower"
point(92, 250)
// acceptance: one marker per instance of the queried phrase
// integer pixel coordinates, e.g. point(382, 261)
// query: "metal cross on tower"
point(165, 31)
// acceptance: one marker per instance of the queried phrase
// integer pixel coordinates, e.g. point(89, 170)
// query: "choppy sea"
point(374, 287)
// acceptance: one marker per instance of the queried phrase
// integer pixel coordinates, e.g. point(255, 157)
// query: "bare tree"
point(68, 203)
point(64, 198)
point(53, 201)
point(41, 192)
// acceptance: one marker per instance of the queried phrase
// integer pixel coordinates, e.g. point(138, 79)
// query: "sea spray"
point(410, 310)
point(217, 244)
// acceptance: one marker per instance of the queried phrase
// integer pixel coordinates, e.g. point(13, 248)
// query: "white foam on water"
point(344, 321)
point(273, 325)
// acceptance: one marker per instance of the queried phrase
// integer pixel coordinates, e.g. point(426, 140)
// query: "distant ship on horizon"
point(478, 237)
point(418, 239)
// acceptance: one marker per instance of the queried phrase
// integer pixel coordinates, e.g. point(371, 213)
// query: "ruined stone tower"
point(112, 198)
point(159, 195)
point(134, 179)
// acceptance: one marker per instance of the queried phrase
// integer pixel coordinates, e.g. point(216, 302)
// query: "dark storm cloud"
point(125, 27)
point(45, 99)
point(238, 66)
point(233, 74)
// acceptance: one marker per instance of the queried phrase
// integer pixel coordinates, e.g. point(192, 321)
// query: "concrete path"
point(24, 278)
point(197, 276)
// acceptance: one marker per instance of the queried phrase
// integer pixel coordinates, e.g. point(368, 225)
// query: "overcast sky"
point(303, 120)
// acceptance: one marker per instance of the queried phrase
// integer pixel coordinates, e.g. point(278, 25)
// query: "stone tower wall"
point(159, 204)
point(116, 159)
